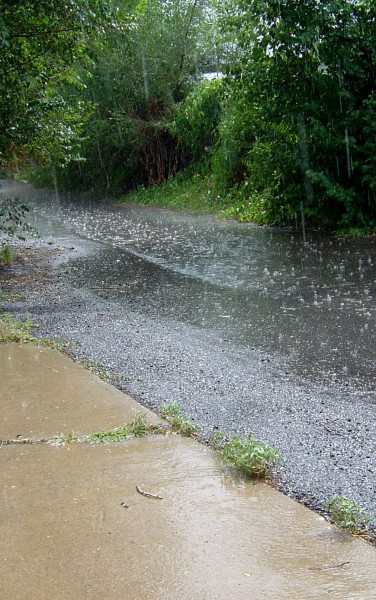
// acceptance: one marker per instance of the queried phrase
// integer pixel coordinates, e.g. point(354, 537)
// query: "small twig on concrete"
point(147, 495)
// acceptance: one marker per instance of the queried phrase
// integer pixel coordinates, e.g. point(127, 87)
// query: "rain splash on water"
point(313, 303)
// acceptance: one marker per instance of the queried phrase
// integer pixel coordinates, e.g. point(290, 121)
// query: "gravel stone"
point(326, 435)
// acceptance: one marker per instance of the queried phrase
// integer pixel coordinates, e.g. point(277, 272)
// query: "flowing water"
point(313, 303)
point(74, 524)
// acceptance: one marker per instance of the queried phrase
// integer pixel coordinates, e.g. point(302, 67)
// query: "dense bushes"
point(292, 133)
point(143, 71)
point(197, 117)
point(304, 84)
point(288, 133)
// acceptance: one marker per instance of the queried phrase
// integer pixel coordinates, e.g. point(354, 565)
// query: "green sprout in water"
point(248, 455)
point(178, 420)
point(348, 514)
point(138, 428)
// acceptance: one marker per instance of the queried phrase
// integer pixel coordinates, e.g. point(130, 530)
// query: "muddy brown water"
point(46, 394)
point(74, 526)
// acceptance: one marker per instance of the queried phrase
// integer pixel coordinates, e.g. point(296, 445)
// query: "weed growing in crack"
point(138, 428)
point(101, 370)
point(68, 438)
point(348, 514)
point(248, 455)
point(178, 420)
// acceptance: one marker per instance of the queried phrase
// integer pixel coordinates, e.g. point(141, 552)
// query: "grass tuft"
point(14, 330)
point(7, 256)
point(348, 514)
point(183, 192)
point(68, 438)
point(138, 428)
point(178, 420)
point(101, 370)
point(248, 455)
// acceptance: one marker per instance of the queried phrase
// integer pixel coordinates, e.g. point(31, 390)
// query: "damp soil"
point(325, 430)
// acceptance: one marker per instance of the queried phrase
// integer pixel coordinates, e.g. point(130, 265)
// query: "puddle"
point(210, 536)
point(74, 525)
point(60, 396)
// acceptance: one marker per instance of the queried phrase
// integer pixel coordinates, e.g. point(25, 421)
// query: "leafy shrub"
point(196, 119)
point(13, 219)
point(235, 136)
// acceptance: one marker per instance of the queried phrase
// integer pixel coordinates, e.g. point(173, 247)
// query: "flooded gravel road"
point(247, 328)
point(313, 303)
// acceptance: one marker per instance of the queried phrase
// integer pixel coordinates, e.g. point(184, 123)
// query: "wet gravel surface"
point(326, 435)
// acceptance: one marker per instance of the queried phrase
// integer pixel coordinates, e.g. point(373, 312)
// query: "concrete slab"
point(43, 393)
point(73, 526)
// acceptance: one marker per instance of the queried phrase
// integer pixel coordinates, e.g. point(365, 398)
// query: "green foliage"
point(305, 68)
point(248, 455)
point(138, 428)
point(270, 190)
point(291, 130)
point(348, 514)
point(234, 139)
point(246, 207)
point(13, 222)
point(197, 117)
point(144, 68)
point(119, 104)
point(178, 420)
point(14, 330)
point(44, 45)
point(68, 438)
point(7, 255)
point(182, 192)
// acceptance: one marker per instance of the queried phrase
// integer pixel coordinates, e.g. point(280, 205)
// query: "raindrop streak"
point(56, 186)
point(304, 157)
point(145, 76)
point(348, 157)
